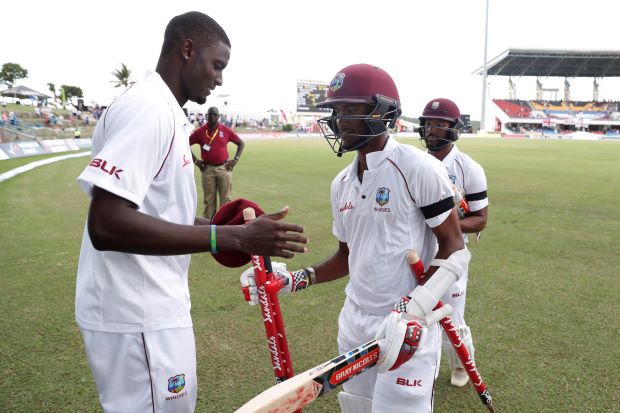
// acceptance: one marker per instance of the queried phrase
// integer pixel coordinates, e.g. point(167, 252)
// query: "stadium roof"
point(554, 63)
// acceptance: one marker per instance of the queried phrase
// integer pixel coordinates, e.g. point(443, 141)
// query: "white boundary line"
point(25, 168)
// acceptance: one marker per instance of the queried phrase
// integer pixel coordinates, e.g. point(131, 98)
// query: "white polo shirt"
point(405, 192)
point(140, 153)
point(468, 177)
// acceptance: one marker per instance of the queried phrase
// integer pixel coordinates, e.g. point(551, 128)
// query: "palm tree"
point(122, 76)
point(52, 88)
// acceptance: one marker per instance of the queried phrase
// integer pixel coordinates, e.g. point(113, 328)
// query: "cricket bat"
point(302, 389)
point(272, 315)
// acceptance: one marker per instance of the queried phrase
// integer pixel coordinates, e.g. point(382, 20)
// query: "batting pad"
point(466, 338)
point(350, 403)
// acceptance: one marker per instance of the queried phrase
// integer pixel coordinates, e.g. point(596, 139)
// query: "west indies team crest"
point(176, 383)
point(383, 196)
point(337, 82)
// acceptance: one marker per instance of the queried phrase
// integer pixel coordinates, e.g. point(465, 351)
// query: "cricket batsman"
point(440, 125)
point(390, 199)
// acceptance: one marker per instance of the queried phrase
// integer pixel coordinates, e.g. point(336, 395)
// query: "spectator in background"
point(215, 167)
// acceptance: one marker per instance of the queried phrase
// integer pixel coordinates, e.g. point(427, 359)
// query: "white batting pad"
point(350, 403)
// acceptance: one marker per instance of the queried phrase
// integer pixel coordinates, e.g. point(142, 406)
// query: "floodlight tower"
point(484, 70)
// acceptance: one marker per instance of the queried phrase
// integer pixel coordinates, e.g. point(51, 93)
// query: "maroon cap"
point(359, 83)
point(442, 109)
point(231, 213)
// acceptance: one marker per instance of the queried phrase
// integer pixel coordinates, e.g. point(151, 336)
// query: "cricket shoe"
point(459, 378)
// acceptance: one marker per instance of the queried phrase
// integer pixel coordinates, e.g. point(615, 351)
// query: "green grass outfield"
point(543, 289)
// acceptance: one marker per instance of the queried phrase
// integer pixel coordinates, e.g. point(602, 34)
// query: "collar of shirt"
point(373, 159)
point(165, 91)
point(451, 155)
point(217, 126)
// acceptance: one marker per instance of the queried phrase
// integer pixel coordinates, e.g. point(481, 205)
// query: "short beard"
point(201, 100)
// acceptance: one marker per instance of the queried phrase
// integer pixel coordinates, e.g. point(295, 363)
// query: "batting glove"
point(401, 334)
point(282, 280)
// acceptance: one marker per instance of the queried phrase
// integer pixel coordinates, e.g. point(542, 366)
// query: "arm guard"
point(424, 298)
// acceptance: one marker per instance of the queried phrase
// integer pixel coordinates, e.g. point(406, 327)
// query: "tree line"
point(12, 72)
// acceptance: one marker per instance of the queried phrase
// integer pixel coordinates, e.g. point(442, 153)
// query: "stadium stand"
point(567, 118)
point(514, 108)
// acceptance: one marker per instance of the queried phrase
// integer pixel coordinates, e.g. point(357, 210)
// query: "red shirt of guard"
point(214, 142)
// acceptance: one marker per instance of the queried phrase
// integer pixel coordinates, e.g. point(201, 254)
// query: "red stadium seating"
point(514, 109)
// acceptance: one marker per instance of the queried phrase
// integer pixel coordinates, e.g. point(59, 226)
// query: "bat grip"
point(282, 341)
point(468, 363)
point(465, 206)
point(416, 266)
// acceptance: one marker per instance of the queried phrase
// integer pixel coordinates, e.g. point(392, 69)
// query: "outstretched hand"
point(270, 235)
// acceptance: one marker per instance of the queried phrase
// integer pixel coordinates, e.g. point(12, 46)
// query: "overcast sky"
point(429, 47)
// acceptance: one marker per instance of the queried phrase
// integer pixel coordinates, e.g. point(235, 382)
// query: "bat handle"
point(465, 206)
point(416, 265)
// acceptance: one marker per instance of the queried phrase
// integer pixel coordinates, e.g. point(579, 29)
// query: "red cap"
point(231, 213)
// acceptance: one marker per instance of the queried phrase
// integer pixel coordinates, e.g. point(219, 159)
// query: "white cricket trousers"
point(152, 372)
point(409, 388)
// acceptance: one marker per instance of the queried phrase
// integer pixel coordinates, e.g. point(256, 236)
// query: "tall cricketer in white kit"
point(132, 300)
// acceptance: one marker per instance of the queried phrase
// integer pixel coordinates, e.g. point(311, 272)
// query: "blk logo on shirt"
point(105, 167)
point(408, 383)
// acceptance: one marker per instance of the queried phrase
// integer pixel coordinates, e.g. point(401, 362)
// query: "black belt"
point(212, 164)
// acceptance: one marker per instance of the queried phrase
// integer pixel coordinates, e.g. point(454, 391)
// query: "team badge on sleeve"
point(383, 196)
point(176, 383)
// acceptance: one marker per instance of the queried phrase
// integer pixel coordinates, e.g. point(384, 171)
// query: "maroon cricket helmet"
point(231, 213)
point(360, 83)
point(441, 109)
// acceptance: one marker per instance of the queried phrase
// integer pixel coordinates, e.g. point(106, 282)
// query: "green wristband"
point(213, 239)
